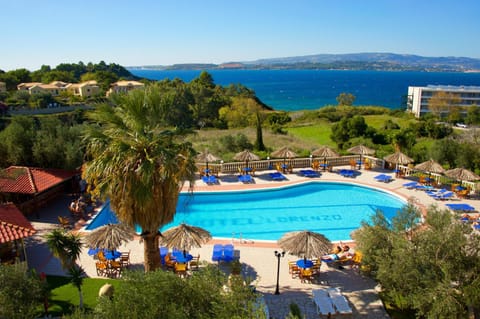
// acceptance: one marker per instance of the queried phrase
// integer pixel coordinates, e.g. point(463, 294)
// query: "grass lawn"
point(64, 296)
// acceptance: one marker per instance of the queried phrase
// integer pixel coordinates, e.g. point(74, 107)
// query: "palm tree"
point(139, 164)
point(67, 248)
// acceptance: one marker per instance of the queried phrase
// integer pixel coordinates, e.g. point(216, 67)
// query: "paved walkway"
point(258, 260)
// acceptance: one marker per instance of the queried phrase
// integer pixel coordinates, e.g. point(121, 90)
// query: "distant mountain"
point(351, 61)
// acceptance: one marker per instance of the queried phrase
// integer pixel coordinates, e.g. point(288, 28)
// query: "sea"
point(294, 90)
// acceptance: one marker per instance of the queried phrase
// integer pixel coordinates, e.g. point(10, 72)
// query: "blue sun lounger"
point(217, 253)
point(228, 253)
point(309, 173)
point(210, 180)
point(411, 185)
point(277, 176)
point(383, 178)
point(245, 178)
point(347, 172)
point(460, 207)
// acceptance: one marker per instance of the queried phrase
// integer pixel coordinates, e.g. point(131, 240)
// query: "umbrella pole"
point(360, 163)
point(324, 163)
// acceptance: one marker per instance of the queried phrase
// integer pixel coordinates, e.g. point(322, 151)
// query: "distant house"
point(124, 86)
point(84, 89)
point(53, 88)
point(419, 97)
point(3, 87)
point(31, 188)
point(14, 227)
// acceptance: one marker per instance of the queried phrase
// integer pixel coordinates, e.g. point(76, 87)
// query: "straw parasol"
point(305, 244)
point(185, 237)
point(206, 157)
point(398, 158)
point(109, 237)
point(285, 152)
point(325, 151)
point(430, 166)
point(462, 174)
point(246, 156)
point(361, 150)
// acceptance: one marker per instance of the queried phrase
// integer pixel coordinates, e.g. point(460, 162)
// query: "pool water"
point(332, 209)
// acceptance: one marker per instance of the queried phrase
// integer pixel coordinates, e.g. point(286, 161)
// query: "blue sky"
point(159, 32)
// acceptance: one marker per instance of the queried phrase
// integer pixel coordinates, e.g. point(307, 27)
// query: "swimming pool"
point(331, 208)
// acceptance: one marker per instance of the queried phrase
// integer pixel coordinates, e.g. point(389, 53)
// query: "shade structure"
point(398, 158)
point(285, 152)
point(109, 237)
point(325, 151)
point(361, 150)
point(246, 156)
point(430, 166)
point(306, 244)
point(462, 174)
point(206, 157)
point(185, 237)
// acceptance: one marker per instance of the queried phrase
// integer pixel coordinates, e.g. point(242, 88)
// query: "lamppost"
point(278, 255)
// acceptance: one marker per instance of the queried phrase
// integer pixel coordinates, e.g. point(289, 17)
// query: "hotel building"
point(419, 97)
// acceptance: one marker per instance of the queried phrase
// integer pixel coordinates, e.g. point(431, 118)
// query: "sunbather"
point(342, 253)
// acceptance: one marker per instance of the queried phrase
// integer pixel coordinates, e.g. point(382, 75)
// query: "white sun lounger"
point(339, 301)
point(323, 302)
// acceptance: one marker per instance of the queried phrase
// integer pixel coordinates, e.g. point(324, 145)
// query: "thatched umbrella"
point(285, 152)
point(305, 244)
point(325, 151)
point(185, 237)
point(361, 150)
point(206, 157)
point(398, 158)
point(462, 174)
point(246, 156)
point(109, 237)
point(430, 166)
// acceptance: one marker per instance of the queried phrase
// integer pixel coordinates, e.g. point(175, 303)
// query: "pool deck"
point(257, 257)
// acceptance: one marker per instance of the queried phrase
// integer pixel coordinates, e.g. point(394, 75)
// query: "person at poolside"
point(344, 253)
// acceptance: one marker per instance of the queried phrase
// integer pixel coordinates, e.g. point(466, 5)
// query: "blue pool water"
point(333, 209)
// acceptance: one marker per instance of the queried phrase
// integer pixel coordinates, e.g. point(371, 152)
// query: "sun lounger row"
point(330, 301)
point(223, 253)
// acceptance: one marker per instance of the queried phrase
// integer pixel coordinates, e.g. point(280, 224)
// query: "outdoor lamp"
point(278, 255)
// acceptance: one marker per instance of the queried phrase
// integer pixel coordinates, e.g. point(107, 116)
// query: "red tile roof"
point(31, 180)
point(13, 225)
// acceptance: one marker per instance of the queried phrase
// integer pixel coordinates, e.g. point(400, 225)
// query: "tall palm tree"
point(139, 164)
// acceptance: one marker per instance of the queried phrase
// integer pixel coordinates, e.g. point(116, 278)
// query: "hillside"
point(352, 61)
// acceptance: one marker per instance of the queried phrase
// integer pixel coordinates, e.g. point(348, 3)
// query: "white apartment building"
point(419, 96)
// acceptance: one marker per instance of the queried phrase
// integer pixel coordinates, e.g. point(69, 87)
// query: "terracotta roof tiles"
point(30, 180)
point(13, 225)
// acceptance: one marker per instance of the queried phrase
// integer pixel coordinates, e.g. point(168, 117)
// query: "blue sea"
point(292, 90)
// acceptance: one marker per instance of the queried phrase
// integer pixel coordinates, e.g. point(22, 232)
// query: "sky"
point(159, 32)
